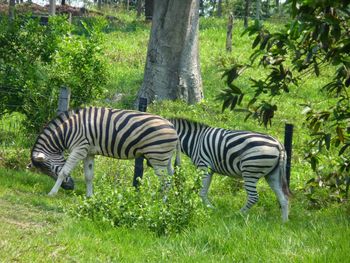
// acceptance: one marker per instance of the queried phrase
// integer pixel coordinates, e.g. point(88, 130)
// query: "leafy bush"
point(315, 41)
point(125, 206)
point(36, 61)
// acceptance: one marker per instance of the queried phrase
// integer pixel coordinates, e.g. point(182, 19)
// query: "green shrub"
point(36, 61)
point(122, 205)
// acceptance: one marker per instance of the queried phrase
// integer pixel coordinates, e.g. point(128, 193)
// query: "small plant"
point(144, 207)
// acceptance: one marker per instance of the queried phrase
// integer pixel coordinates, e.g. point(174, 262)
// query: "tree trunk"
point(63, 2)
point(246, 13)
point(99, 4)
point(52, 7)
point(172, 68)
point(12, 4)
point(258, 9)
point(278, 6)
point(268, 8)
point(139, 7)
point(149, 7)
point(219, 11)
point(127, 5)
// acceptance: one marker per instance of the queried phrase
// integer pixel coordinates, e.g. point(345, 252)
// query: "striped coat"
point(84, 133)
point(247, 154)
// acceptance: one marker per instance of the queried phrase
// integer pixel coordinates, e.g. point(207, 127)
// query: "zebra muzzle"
point(68, 183)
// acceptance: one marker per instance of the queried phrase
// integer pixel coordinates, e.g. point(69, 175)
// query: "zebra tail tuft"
point(282, 163)
point(178, 154)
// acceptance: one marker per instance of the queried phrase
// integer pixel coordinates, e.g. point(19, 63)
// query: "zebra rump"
point(86, 132)
point(248, 154)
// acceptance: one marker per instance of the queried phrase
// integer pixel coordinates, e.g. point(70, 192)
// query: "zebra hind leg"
point(275, 183)
point(89, 174)
point(206, 181)
point(252, 194)
point(164, 179)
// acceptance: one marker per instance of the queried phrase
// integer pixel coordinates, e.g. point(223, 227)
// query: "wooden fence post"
point(229, 33)
point(288, 139)
point(63, 101)
point(138, 172)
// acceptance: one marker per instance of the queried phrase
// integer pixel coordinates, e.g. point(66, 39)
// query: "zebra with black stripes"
point(235, 153)
point(86, 132)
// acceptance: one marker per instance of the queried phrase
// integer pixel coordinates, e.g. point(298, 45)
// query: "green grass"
point(35, 228)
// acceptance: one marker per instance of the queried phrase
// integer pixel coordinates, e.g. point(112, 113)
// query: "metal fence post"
point(138, 172)
point(288, 139)
point(63, 101)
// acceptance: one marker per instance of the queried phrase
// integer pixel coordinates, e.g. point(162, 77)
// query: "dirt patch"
point(36, 9)
point(24, 217)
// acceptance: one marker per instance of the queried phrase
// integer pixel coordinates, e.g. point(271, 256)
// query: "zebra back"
point(228, 152)
point(123, 134)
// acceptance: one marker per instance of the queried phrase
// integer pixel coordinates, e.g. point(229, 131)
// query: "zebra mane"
point(60, 118)
point(63, 116)
point(201, 124)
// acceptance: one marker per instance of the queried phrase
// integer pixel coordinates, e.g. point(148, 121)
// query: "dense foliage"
point(36, 61)
point(145, 207)
point(316, 41)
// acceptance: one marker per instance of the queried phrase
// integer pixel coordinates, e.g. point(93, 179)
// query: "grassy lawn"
point(36, 228)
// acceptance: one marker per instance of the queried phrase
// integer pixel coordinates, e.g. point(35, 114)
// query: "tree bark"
point(52, 7)
point(278, 6)
point(139, 7)
point(172, 68)
point(246, 13)
point(258, 9)
point(149, 6)
point(63, 2)
point(12, 4)
point(219, 11)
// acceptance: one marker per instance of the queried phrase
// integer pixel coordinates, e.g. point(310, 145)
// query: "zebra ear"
point(39, 157)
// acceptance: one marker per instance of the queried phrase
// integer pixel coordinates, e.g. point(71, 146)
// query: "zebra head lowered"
point(51, 166)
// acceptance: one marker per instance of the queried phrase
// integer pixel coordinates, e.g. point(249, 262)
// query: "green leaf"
point(342, 150)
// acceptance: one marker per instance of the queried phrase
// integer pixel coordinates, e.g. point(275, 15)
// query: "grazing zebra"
point(84, 133)
point(243, 153)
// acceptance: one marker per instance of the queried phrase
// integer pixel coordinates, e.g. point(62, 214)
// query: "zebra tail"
point(283, 173)
point(178, 154)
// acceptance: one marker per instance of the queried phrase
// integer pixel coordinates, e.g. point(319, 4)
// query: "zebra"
point(86, 132)
point(235, 153)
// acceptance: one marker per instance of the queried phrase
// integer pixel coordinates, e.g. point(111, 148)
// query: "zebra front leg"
point(206, 181)
point(89, 174)
point(57, 185)
point(250, 183)
point(68, 167)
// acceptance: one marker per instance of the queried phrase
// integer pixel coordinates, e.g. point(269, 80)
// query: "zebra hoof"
point(68, 183)
point(52, 194)
point(208, 205)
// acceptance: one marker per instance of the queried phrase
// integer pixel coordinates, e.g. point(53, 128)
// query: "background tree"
point(318, 36)
point(246, 12)
point(12, 4)
point(172, 68)
point(149, 6)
